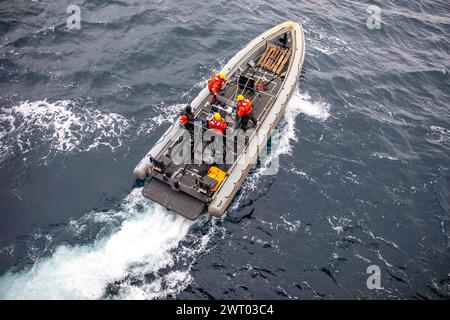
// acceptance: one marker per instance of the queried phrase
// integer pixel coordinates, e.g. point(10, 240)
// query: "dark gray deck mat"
point(180, 202)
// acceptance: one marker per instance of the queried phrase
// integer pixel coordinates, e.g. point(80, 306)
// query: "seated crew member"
point(187, 118)
point(244, 111)
point(215, 85)
point(217, 123)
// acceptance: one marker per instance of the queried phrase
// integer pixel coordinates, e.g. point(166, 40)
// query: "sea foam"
point(61, 126)
point(144, 243)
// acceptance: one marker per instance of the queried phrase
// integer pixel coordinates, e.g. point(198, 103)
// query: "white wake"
point(143, 243)
point(300, 103)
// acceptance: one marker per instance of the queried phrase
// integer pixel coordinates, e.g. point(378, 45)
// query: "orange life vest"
point(217, 124)
point(184, 119)
point(244, 107)
point(215, 84)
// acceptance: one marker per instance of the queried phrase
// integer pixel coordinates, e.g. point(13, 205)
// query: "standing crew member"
point(215, 85)
point(217, 123)
point(187, 118)
point(244, 111)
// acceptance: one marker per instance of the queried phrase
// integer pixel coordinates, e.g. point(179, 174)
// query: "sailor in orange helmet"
point(217, 123)
point(244, 111)
point(215, 85)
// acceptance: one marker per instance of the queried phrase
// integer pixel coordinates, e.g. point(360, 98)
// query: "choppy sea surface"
point(364, 157)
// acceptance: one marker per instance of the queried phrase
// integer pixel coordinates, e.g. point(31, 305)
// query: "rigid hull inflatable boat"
point(267, 72)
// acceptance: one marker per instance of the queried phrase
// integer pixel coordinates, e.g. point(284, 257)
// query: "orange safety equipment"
point(217, 124)
point(215, 84)
point(244, 107)
point(184, 119)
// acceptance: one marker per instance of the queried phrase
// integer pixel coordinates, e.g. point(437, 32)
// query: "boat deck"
point(259, 79)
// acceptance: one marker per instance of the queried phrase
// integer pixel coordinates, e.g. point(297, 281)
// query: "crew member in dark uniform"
point(187, 118)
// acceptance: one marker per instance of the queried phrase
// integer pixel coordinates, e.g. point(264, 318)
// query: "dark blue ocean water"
point(365, 153)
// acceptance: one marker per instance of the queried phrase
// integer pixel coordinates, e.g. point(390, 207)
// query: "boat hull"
point(257, 141)
point(237, 176)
